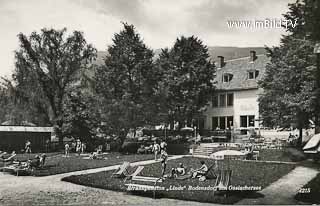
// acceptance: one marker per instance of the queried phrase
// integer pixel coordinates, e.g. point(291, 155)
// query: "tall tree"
point(187, 81)
point(290, 81)
point(51, 59)
point(127, 83)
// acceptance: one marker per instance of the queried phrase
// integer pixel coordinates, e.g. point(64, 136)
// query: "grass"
point(244, 174)
point(310, 192)
point(57, 163)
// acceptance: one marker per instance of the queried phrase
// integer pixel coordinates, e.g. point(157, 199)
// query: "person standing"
point(28, 147)
point(78, 147)
point(164, 160)
point(66, 149)
point(163, 145)
point(156, 149)
point(83, 147)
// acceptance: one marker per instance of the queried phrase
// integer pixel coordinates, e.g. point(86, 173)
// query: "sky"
point(159, 22)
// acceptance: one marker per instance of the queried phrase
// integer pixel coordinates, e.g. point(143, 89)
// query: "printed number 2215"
point(304, 190)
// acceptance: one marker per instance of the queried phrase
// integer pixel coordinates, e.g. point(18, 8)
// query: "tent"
point(313, 145)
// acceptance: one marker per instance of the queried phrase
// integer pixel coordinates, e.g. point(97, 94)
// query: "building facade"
point(235, 102)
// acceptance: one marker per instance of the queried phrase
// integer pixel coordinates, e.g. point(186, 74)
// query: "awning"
point(312, 143)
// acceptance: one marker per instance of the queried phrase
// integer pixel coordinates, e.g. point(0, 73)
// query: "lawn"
point(310, 193)
point(57, 163)
point(243, 174)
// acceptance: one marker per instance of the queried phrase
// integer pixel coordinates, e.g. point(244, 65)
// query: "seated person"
point(201, 171)
point(141, 150)
point(180, 170)
point(34, 163)
point(8, 158)
point(43, 159)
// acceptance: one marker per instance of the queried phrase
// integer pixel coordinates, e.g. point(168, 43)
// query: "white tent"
point(223, 153)
point(313, 145)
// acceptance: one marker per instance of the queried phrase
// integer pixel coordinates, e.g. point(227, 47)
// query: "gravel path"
point(283, 190)
point(51, 190)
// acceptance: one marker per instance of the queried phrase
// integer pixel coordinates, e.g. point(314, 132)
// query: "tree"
point(187, 82)
point(127, 83)
point(290, 82)
point(51, 61)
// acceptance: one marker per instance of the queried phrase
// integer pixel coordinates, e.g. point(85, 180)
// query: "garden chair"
point(122, 170)
point(135, 173)
point(223, 180)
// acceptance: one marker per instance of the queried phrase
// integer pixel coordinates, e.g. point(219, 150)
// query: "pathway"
point(283, 190)
point(50, 190)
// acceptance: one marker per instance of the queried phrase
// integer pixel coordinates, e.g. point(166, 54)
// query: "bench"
point(144, 187)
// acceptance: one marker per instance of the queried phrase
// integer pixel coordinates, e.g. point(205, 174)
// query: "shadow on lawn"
point(244, 174)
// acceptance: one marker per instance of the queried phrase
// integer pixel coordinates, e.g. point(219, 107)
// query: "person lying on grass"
point(201, 171)
point(180, 170)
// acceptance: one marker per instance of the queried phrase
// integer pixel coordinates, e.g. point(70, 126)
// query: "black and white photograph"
point(159, 102)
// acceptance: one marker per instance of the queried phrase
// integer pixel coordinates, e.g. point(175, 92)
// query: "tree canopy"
point(127, 83)
point(187, 79)
point(290, 81)
point(47, 64)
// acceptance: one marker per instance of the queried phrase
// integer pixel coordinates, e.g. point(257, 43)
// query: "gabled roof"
point(239, 68)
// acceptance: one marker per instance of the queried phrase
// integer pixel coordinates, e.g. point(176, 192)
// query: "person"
point(156, 150)
point(201, 171)
point(164, 159)
point(66, 149)
point(34, 163)
point(180, 170)
point(141, 150)
point(78, 147)
point(83, 147)
point(43, 159)
point(28, 147)
point(163, 145)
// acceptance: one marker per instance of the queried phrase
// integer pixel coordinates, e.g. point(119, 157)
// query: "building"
point(15, 137)
point(235, 102)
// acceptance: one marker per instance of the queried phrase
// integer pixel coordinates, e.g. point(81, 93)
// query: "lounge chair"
point(135, 173)
point(122, 170)
point(223, 180)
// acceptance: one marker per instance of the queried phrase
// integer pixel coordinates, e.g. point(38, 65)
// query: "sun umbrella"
point(187, 129)
point(226, 153)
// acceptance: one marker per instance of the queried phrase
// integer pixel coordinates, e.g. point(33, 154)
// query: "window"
point(222, 100)
point(227, 77)
point(222, 123)
point(230, 99)
point(230, 121)
point(251, 121)
point(215, 102)
point(253, 74)
point(247, 121)
point(243, 121)
point(215, 123)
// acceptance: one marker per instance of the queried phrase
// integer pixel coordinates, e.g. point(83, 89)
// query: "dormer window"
point(227, 77)
point(253, 74)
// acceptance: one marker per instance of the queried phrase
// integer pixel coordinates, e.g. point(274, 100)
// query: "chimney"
point(220, 61)
point(253, 56)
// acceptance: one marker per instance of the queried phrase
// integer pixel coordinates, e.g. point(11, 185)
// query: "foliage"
point(290, 82)
point(187, 83)
point(126, 83)
point(79, 116)
point(46, 66)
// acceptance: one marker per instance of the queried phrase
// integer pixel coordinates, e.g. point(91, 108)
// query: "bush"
point(295, 154)
point(178, 149)
point(130, 147)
